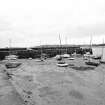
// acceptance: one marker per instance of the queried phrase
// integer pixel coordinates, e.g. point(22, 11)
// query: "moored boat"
point(71, 58)
point(65, 55)
point(102, 61)
point(39, 60)
point(62, 64)
point(12, 65)
point(92, 63)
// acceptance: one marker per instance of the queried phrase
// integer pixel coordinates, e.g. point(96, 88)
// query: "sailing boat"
point(90, 61)
point(88, 55)
point(59, 57)
point(66, 55)
point(103, 54)
point(71, 57)
point(96, 53)
point(12, 63)
point(61, 63)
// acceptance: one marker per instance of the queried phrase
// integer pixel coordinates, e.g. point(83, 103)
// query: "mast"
point(40, 50)
point(91, 42)
point(60, 40)
point(60, 43)
point(66, 43)
point(102, 49)
point(10, 41)
point(90, 46)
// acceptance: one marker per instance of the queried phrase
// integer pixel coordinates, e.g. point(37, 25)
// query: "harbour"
point(44, 83)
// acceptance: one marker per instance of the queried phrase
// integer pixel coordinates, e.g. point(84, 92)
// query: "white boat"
point(59, 57)
point(71, 58)
point(62, 64)
point(92, 56)
point(65, 55)
point(30, 58)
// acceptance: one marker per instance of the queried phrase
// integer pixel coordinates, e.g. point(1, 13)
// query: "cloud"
point(87, 30)
point(42, 20)
point(4, 24)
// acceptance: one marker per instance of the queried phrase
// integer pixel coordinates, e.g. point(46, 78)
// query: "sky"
point(27, 23)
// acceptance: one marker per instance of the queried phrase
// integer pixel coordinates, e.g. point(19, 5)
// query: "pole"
point(66, 44)
point(10, 41)
point(60, 43)
point(90, 45)
point(102, 49)
point(91, 42)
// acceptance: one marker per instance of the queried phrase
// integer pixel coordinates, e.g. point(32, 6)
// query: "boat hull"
point(71, 58)
point(103, 62)
point(12, 65)
point(62, 64)
point(92, 63)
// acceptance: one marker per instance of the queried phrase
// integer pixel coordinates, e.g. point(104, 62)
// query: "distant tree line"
point(36, 52)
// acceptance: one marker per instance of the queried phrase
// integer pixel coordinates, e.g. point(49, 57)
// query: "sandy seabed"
point(43, 83)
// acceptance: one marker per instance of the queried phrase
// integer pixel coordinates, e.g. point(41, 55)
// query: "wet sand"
point(8, 94)
point(43, 83)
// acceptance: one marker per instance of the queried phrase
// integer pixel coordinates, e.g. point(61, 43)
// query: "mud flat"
point(8, 94)
point(43, 83)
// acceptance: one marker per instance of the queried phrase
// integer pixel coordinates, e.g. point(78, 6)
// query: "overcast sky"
point(33, 22)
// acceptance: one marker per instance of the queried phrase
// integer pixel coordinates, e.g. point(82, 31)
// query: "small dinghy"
point(12, 65)
point(39, 60)
point(71, 58)
point(102, 61)
point(92, 63)
point(97, 57)
point(62, 64)
point(30, 58)
point(65, 55)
